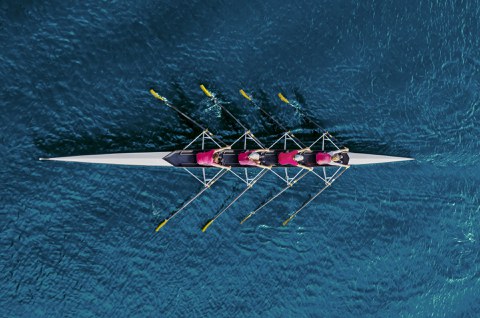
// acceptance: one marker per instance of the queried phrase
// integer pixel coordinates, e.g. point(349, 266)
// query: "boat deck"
point(187, 158)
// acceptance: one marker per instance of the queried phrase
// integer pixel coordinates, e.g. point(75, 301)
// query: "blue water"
point(387, 77)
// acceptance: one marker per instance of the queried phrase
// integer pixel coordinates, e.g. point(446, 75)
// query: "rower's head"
point(298, 158)
point(254, 156)
point(216, 157)
point(336, 157)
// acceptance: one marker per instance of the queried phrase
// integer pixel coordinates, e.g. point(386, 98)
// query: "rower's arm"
point(304, 167)
point(304, 149)
point(338, 151)
point(264, 167)
point(222, 149)
point(332, 163)
point(220, 166)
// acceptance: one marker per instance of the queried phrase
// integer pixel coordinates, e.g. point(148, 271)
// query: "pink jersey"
point(286, 158)
point(244, 160)
point(323, 158)
point(205, 158)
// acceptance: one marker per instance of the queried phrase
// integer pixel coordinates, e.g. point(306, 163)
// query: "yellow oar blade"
point(282, 98)
point(161, 225)
point(287, 220)
point(155, 94)
point(206, 91)
point(245, 95)
point(246, 218)
point(205, 227)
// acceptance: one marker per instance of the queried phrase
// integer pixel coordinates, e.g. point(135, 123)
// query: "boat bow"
point(365, 159)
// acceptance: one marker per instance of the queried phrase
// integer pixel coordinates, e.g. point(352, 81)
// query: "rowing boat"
point(186, 158)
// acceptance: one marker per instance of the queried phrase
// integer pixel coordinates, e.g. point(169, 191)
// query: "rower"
point(293, 158)
point(251, 158)
point(332, 158)
point(211, 158)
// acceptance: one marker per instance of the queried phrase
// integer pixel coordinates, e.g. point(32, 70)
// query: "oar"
point(162, 224)
point(163, 99)
point(212, 97)
point(298, 109)
point(215, 101)
point(312, 198)
point(205, 227)
point(248, 97)
point(168, 104)
point(274, 197)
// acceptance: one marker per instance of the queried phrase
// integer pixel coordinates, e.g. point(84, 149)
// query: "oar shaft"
point(272, 118)
point(318, 126)
point(249, 98)
point(168, 104)
point(275, 196)
point(312, 198)
point(231, 115)
point(270, 200)
point(215, 101)
point(212, 97)
point(231, 203)
point(258, 177)
point(188, 203)
point(193, 198)
point(305, 115)
point(162, 224)
point(206, 226)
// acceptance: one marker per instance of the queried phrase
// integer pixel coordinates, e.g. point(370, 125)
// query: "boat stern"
point(365, 159)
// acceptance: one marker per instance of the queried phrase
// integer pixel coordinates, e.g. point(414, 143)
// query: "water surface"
point(384, 77)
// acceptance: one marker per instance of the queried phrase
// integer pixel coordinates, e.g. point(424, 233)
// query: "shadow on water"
point(227, 123)
point(62, 144)
point(184, 104)
point(152, 138)
point(307, 118)
point(266, 103)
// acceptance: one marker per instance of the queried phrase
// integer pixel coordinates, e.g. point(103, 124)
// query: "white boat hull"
point(156, 159)
point(132, 159)
point(366, 159)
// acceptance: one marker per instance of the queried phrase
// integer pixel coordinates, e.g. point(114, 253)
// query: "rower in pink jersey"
point(293, 158)
point(332, 158)
point(251, 158)
point(211, 158)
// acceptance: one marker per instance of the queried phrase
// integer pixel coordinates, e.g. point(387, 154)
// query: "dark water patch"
point(123, 141)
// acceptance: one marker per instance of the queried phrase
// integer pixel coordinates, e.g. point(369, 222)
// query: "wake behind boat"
point(327, 163)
